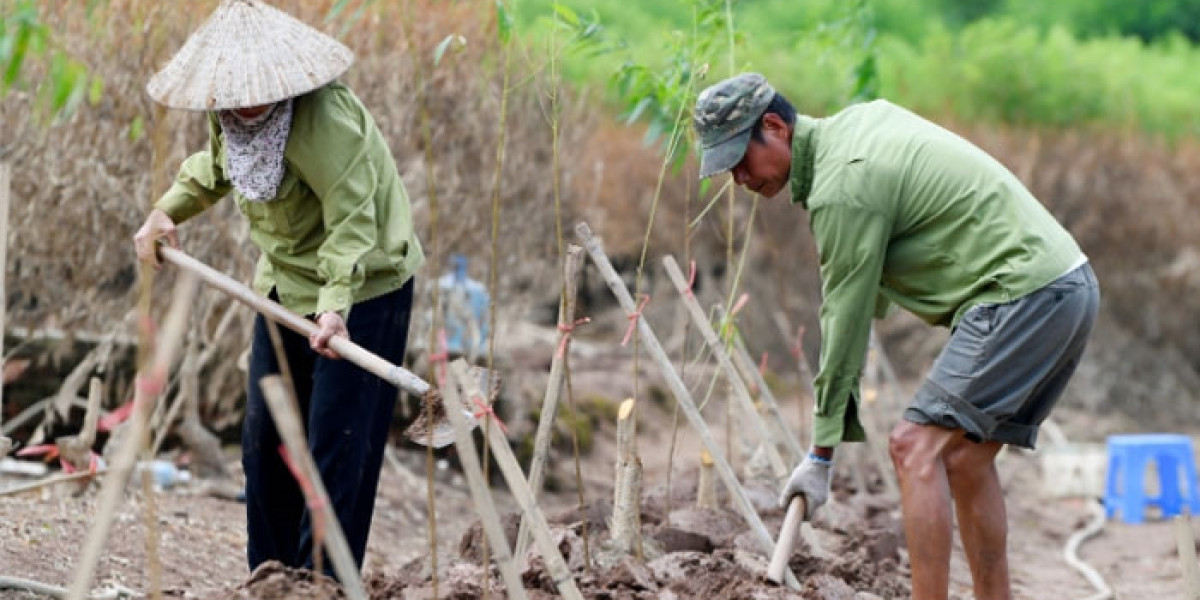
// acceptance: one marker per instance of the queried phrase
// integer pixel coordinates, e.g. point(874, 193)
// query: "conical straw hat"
point(248, 54)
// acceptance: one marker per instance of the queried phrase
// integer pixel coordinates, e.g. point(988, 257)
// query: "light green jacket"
point(340, 229)
point(905, 212)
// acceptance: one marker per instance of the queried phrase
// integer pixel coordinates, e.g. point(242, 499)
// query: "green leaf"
point(565, 13)
point(95, 91)
point(504, 21)
point(20, 47)
point(137, 128)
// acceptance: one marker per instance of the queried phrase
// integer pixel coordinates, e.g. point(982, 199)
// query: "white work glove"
point(811, 479)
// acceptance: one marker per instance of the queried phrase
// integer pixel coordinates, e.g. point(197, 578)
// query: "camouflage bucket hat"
point(725, 113)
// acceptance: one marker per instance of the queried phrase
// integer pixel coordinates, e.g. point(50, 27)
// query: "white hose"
point(1071, 554)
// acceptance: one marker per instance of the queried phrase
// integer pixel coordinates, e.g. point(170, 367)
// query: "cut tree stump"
point(626, 526)
point(706, 485)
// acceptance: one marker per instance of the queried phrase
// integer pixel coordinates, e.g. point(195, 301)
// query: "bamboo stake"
point(150, 384)
point(282, 406)
point(806, 375)
point(682, 396)
point(757, 427)
point(480, 494)
point(706, 486)
point(1186, 541)
point(5, 179)
point(751, 374)
point(516, 484)
point(393, 374)
point(627, 492)
point(549, 414)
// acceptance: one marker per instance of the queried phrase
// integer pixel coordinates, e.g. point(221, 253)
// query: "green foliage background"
point(1098, 64)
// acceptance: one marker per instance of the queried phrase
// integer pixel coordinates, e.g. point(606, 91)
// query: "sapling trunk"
point(626, 524)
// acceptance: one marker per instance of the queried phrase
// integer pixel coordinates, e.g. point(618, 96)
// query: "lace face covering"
point(254, 150)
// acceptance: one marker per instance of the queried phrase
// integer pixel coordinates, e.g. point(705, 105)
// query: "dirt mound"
point(273, 580)
point(695, 553)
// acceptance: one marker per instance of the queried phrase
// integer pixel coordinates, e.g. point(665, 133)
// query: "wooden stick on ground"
point(1186, 541)
point(149, 386)
point(547, 418)
point(787, 539)
point(759, 429)
point(291, 430)
point(484, 506)
point(682, 396)
point(51, 480)
point(503, 455)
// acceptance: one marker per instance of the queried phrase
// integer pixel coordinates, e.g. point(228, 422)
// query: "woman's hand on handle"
point(157, 226)
point(331, 324)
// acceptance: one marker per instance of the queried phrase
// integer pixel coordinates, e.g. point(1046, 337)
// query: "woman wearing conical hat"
point(307, 166)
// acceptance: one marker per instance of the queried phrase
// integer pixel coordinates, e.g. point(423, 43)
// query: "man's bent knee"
point(916, 449)
point(969, 458)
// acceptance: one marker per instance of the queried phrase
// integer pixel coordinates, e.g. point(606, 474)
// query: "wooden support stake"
point(511, 471)
point(480, 493)
point(1186, 541)
point(5, 179)
point(549, 414)
point(706, 485)
point(282, 407)
point(758, 429)
point(806, 375)
point(627, 492)
point(682, 396)
point(750, 373)
point(150, 384)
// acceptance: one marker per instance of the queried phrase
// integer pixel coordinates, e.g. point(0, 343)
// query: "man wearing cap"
point(906, 213)
point(312, 173)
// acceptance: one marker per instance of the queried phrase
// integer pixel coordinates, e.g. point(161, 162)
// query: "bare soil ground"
point(692, 553)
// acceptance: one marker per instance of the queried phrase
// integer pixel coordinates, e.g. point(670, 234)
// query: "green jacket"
point(340, 229)
point(905, 212)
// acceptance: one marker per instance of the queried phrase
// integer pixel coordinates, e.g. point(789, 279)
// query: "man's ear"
point(774, 124)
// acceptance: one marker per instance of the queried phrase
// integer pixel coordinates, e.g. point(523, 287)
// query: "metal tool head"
point(432, 428)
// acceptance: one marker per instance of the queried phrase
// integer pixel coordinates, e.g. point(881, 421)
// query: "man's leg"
point(918, 453)
point(982, 521)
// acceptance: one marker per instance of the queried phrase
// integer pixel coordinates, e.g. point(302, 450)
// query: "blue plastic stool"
point(1128, 457)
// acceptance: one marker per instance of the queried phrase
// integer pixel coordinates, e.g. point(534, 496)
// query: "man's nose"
point(739, 175)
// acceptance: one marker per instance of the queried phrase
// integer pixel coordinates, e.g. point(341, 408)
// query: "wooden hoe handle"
point(393, 374)
point(787, 539)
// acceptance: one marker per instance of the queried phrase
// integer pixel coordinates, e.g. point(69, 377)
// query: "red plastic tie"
point(486, 409)
point(741, 303)
point(797, 348)
point(762, 365)
point(633, 319)
point(691, 279)
point(566, 331)
point(439, 359)
point(315, 504)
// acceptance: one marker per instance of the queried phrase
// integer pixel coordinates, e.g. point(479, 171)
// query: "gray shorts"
point(1007, 364)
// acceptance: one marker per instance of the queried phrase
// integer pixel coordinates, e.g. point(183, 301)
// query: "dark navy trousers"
point(347, 412)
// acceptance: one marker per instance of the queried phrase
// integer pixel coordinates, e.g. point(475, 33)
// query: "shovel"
point(438, 434)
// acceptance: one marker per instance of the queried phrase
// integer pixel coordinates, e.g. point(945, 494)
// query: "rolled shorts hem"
point(944, 409)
